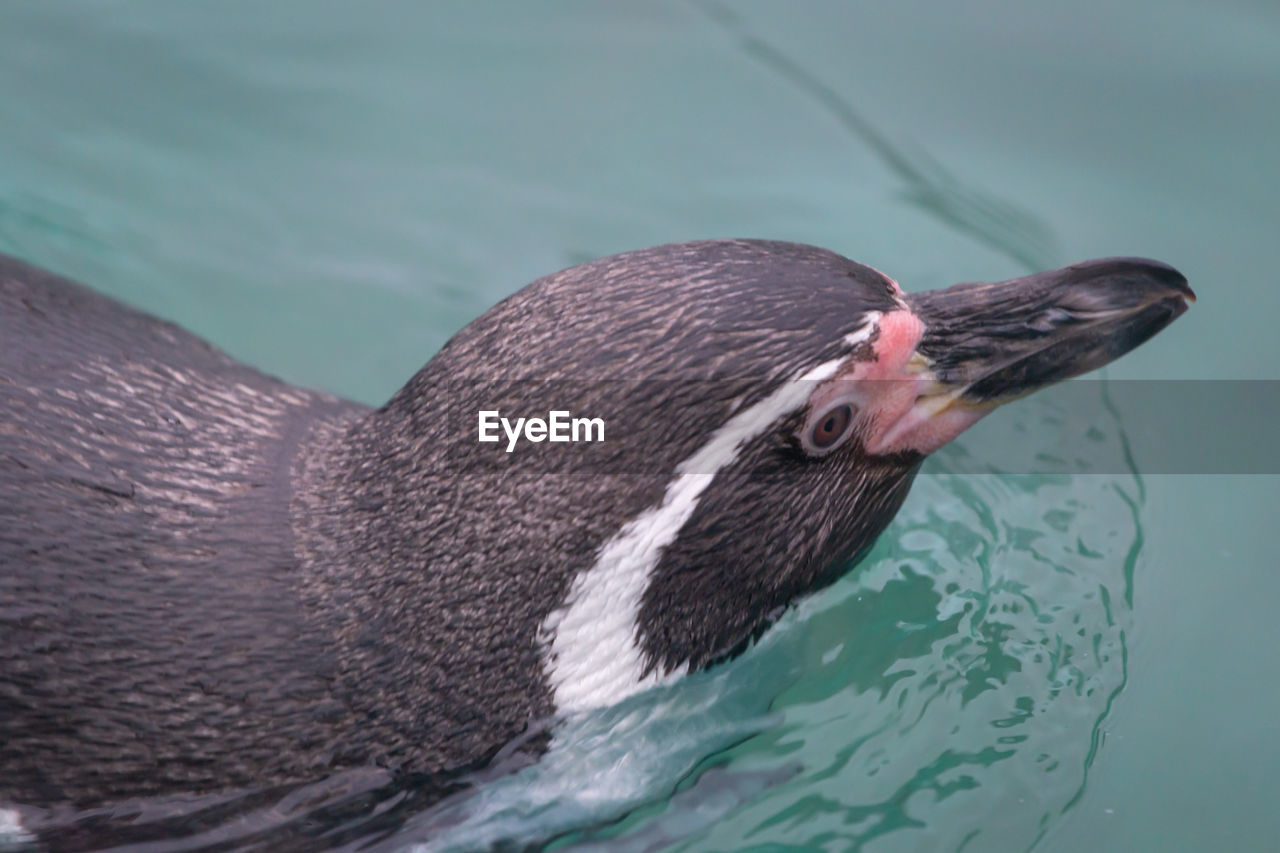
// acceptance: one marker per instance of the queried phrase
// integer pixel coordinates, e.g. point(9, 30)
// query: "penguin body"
point(212, 580)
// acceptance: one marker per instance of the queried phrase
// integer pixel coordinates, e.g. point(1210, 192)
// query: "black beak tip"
point(1152, 270)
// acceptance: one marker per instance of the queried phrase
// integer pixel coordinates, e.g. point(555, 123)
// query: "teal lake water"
point(1051, 662)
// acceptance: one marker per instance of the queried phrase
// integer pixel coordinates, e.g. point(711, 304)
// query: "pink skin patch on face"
point(900, 333)
point(889, 394)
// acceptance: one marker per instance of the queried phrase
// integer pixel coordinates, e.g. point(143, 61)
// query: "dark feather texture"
point(210, 579)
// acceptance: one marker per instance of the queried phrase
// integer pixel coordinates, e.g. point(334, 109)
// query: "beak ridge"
point(992, 342)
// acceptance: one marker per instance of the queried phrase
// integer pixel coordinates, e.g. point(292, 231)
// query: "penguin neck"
point(408, 546)
point(370, 488)
point(423, 623)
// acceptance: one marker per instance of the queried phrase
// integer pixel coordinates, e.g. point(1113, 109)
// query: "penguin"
point(212, 580)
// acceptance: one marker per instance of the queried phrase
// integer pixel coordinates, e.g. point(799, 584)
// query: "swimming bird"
point(210, 579)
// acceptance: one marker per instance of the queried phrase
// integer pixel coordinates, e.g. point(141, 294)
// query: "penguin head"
point(765, 407)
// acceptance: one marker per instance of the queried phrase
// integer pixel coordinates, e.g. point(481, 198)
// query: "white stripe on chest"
point(592, 654)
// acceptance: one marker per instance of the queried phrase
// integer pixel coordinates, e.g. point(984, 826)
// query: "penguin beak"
point(985, 344)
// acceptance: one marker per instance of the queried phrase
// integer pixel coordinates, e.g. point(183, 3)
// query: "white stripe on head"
point(591, 644)
point(863, 333)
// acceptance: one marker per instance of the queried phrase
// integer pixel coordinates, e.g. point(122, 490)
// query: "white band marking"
point(593, 657)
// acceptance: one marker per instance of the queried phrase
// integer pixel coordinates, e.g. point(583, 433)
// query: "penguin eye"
point(830, 427)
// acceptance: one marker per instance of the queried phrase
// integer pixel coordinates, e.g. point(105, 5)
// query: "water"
point(1051, 662)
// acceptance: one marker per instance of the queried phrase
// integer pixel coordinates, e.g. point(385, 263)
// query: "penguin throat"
point(592, 645)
